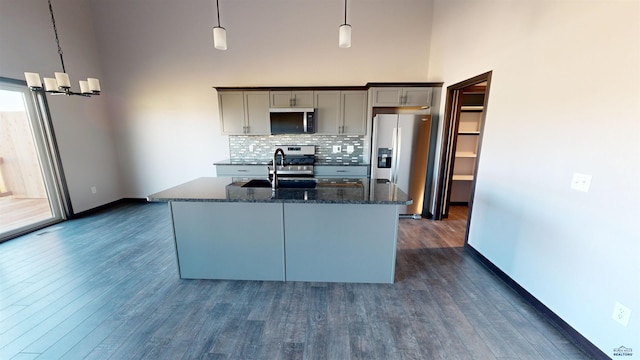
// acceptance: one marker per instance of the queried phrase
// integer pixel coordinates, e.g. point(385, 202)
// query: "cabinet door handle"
point(243, 170)
point(341, 171)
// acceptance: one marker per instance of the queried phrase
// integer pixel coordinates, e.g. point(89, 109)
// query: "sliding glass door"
point(30, 195)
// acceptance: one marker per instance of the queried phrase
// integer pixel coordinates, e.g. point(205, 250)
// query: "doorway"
point(465, 112)
point(30, 196)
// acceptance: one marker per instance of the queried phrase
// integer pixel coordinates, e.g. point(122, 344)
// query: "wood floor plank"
point(106, 286)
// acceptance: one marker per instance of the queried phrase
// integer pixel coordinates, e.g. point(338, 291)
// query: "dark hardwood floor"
point(106, 286)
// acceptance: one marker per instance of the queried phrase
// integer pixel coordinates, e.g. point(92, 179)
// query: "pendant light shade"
point(345, 36)
point(219, 33)
point(344, 39)
point(220, 38)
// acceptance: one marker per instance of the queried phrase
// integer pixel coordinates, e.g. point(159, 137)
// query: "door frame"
point(49, 156)
point(447, 151)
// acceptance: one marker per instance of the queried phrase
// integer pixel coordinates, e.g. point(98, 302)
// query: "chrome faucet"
point(274, 182)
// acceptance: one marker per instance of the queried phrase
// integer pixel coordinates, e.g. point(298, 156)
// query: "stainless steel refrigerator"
point(400, 151)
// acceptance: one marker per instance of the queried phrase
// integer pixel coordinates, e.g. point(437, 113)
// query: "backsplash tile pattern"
point(240, 147)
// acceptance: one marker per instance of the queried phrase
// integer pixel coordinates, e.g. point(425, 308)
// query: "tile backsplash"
point(261, 147)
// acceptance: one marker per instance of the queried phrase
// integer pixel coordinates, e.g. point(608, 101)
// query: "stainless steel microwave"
point(292, 120)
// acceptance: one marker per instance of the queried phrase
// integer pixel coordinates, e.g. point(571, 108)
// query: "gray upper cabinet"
point(231, 105)
point(401, 96)
point(341, 112)
point(244, 112)
point(328, 111)
point(300, 99)
point(257, 112)
point(354, 112)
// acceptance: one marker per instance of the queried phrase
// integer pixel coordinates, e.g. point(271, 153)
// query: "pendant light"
point(344, 40)
point(219, 33)
point(60, 85)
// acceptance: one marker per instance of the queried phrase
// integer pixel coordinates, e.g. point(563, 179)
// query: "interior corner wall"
point(564, 99)
point(159, 58)
point(83, 130)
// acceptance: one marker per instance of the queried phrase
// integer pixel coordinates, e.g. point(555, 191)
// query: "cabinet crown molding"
point(302, 88)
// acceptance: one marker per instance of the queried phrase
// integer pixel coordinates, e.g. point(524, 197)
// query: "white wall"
point(564, 98)
point(161, 67)
point(85, 136)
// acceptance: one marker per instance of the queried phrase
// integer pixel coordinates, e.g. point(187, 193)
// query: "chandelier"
point(61, 85)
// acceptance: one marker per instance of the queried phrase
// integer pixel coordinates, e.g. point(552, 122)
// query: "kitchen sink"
point(284, 184)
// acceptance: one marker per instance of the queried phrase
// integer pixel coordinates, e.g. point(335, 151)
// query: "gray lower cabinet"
point(242, 170)
point(239, 241)
point(341, 242)
point(343, 171)
point(317, 242)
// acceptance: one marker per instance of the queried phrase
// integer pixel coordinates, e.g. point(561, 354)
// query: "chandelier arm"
point(55, 31)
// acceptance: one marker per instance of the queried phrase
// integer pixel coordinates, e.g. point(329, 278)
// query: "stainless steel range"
point(298, 161)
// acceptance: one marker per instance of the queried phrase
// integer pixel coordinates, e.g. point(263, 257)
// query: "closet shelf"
point(466, 154)
point(463, 177)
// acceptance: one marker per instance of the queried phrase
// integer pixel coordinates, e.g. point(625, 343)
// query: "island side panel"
point(228, 240)
point(341, 242)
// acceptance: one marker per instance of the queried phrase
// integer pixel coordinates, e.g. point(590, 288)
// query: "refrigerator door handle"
point(397, 149)
point(394, 156)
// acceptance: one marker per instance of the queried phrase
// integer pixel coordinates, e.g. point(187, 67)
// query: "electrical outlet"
point(94, 190)
point(621, 314)
point(337, 149)
point(581, 182)
point(251, 148)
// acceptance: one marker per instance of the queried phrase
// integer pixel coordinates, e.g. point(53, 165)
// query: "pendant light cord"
point(345, 11)
point(218, 12)
point(55, 30)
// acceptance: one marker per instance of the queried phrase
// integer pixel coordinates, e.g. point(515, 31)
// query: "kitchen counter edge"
point(225, 189)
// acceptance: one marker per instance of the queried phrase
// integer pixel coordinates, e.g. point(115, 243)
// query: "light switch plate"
point(581, 182)
point(337, 149)
point(350, 149)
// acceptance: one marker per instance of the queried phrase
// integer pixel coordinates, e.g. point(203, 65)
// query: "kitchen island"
point(333, 231)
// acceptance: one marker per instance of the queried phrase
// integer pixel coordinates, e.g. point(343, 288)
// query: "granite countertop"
point(328, 191)
point(266, 162)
